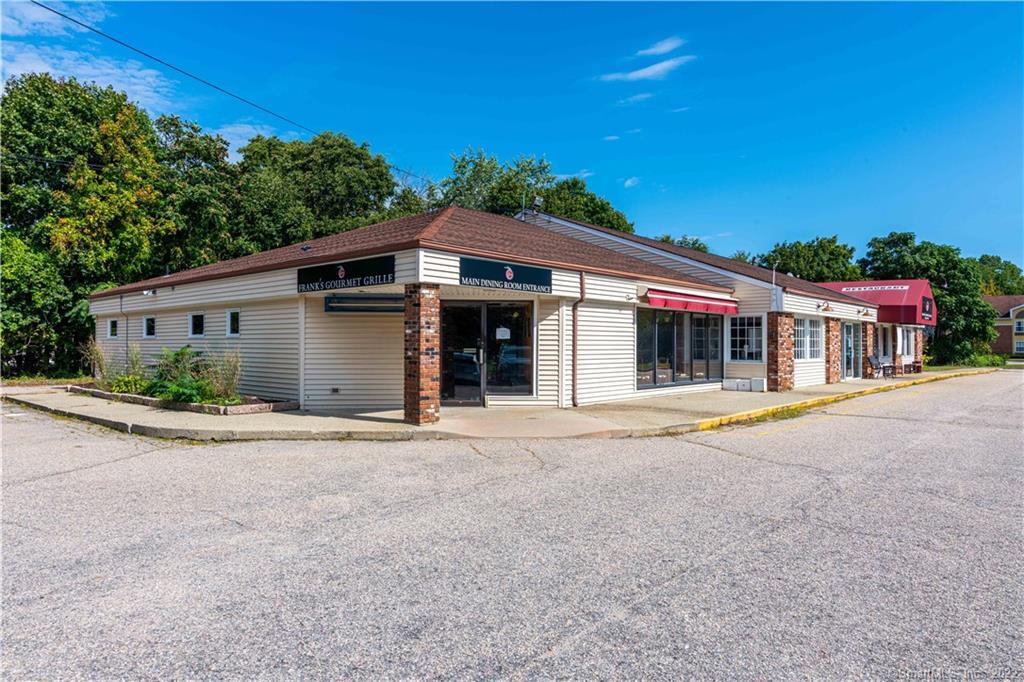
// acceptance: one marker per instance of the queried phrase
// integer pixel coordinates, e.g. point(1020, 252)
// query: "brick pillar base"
point(780, 351)
point(422, 353)
point(918, 345)
point(833, 350)
point(868, 348)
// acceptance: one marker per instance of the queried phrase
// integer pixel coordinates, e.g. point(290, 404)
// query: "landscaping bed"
point(249, 404)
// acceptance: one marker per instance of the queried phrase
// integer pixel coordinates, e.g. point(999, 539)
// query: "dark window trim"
point(686, 382)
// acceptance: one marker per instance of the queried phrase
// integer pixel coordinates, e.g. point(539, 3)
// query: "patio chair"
point(886, 371)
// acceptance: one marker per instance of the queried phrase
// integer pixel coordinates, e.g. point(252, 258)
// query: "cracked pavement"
point(876, 537)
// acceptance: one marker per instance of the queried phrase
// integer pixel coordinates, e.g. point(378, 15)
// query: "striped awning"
point(693, 303)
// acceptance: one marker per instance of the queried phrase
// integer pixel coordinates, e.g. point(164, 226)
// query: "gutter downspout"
point(575, 337)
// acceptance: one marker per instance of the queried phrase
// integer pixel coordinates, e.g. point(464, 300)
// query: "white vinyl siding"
point(606, 340)
point(358, 354)
point(269, 349)
point(805, 305)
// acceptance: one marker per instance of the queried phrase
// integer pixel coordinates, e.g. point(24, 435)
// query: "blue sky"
point(745, 124)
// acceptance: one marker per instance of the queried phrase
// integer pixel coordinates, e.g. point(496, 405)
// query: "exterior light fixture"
point(149, 292)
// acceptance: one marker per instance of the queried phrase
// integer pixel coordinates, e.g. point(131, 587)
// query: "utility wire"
point(196, 78)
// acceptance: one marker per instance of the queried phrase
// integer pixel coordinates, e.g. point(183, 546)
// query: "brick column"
point(918, 345)
point(867, 348)
point(422, 353)
point(780, 351)
point(833, 350)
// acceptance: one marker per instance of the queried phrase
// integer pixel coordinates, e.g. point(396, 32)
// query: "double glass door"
point(486, 348)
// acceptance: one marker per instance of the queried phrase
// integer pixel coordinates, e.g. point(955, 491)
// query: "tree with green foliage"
point(686, 241)
point(999, 277)
point(480, 181)
point(965, 320)
point(743, 256)
point(37, 308)
point(823, 259)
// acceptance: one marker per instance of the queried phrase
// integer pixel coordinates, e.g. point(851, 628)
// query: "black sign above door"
point(490, 274)
point(367, 272)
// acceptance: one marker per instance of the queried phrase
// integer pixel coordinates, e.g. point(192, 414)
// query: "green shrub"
point(185, 389)
point(988, 360)
point(174, 364)
point(129, 383)
point(134, 364)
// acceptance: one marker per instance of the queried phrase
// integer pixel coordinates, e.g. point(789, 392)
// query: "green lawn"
point(39, 380)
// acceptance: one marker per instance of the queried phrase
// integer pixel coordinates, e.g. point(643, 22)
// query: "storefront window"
point(807, 339)
point(682, 324)
point(665, 348)
point(674, 348)
point(644, 347)
point(745, 339)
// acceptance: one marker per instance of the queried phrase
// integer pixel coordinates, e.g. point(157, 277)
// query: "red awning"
point(697, 304)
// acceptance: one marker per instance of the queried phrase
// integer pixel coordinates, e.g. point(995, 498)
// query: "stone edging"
point(254, 408)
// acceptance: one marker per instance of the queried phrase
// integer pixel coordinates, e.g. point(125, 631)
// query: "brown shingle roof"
point(1004, 304)
point(452, 229)
point(787, 282)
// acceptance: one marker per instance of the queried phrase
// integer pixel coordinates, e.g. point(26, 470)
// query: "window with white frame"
point(111, 329)
point(745, 335)
point(233, 323)
point(908, 342)
point(196, 324)
point(806, 339)
point(148, 327)
point(1018, 346)
point(1018, 326)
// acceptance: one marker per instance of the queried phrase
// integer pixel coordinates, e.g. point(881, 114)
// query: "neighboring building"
point(1009, 324)
point(905, 308)
point(468, 308)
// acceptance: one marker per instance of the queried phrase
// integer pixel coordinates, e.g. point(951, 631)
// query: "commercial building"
point(1009, 324)
point(468, 308)
point(906, 308)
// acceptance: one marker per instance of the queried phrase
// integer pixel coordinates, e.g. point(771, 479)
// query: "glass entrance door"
point(462, 353)
point(486, 347)
point(851, 350)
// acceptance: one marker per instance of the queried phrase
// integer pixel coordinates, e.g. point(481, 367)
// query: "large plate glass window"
point(677, 347)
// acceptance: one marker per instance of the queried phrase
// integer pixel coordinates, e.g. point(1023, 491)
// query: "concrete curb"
point(739, 417)
point(424, 435)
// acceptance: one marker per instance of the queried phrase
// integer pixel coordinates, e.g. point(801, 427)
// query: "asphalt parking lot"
point(879, 537)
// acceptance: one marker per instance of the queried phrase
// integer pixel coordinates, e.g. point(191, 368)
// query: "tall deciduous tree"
point(823, 259)
point(964, 319)
point(686, 241)
point(480, 181)
point(999, 277)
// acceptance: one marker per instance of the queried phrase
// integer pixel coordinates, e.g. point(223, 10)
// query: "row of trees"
point(97, 193)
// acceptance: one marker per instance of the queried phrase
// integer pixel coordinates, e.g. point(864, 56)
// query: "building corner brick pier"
point(868, 349)
point(422, 353)
point(780, 351)
point(833, 350)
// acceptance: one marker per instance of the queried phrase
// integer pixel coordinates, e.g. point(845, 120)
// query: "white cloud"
point(148, 87)
point(239, 133)
point(634, 131)
point(610, 138)
point(661, 47)
point(582, 173)
point(631, 182)
point(23, 18)
point(635, 99)
point(679, 110)
point(658, 71)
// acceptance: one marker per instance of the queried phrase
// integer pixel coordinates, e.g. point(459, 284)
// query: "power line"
point(193, 76)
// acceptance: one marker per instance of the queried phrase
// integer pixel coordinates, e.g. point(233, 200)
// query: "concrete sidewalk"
point(634, 418)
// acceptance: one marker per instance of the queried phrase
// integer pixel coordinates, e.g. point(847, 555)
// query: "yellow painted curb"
point(715, 422)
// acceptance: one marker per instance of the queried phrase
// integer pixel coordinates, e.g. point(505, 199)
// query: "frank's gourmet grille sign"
point(927, 308)
point(354, 273)
point(495, 275)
